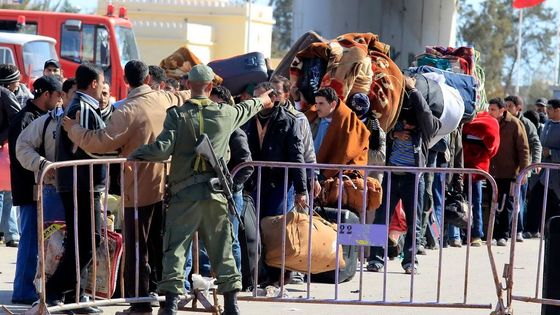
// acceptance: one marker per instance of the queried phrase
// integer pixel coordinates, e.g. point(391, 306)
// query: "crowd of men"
point(68, 119)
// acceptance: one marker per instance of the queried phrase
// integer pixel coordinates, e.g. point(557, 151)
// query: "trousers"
point(64, 277)
point(210, 219)
point(535, 208)
point(8, 217)
point(26, 262)
point(150, 241)
point(502, 226)
point(204, 263)
point(402, 188)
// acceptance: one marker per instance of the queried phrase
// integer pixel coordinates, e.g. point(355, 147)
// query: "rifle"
point(222, 183)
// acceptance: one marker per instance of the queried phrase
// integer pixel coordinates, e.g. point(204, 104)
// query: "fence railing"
point(542, 170)
point(389, 175)
point(133, 166)
point(379, 230)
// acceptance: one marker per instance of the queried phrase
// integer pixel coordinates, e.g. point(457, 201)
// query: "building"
point(407, 25)
point(212, 29)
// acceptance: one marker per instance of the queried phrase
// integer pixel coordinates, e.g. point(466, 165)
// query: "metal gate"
point(510, 284)
point(439, 300)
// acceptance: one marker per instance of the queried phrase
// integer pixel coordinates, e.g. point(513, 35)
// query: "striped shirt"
point(402, 153)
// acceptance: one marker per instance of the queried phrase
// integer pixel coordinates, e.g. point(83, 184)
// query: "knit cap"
point(8, 74)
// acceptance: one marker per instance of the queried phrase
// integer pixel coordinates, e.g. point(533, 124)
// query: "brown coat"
point(138, 121)
point(513, 154)
point(346, 141)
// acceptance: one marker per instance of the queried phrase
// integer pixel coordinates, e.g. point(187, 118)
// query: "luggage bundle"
point(459, 66)
point(180, 62)
point(323, 242)
point(350, 252)
point(444, 100)
point(301, 43)
point(352, 63)
point(352, 192)
point(452, 83)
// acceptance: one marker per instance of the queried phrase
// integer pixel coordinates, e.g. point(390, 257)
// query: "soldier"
point(193, 206)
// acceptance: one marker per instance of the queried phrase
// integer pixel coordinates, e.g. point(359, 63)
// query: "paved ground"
point(481, 289)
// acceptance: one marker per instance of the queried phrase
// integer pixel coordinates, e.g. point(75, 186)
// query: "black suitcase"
point(350, 253)
point(241, 70)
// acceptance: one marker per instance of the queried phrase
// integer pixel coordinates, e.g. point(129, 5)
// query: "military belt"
point(193, 180)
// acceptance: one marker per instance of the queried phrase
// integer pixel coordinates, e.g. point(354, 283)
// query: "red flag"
point(520, 4)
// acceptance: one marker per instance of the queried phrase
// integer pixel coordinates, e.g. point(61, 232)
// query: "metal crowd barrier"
point(41, 307)
point(439, 301)
point(384, 301)
point(509, 269)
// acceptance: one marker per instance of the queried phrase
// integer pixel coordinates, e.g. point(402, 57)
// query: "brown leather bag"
point(323, 243)
point(352, 193)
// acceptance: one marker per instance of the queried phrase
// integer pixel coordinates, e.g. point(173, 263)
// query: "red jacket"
point(481, 140)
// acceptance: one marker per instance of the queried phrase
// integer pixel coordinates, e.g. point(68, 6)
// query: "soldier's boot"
point(169, 307)
point(230, 303)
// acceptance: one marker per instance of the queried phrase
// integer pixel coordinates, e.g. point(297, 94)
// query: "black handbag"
point(457, 210)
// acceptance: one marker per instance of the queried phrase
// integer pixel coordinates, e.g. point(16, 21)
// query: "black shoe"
point(169, 307)
point(230, 303)
point(12, 243)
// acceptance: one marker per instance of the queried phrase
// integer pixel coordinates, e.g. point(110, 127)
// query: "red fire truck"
point(28, 53)
point(107, 41)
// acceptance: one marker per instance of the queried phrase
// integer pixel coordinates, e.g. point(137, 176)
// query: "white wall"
point(212, 29)
point(407, 25)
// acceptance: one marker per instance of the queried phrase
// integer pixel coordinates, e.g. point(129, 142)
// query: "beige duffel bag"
point(323, 244)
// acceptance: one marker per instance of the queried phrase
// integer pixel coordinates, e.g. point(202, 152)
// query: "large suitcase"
point(350, 253)
point(323, 242)
point(241, 70)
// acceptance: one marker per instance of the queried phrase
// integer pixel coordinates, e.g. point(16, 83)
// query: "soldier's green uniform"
point(193, 206)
